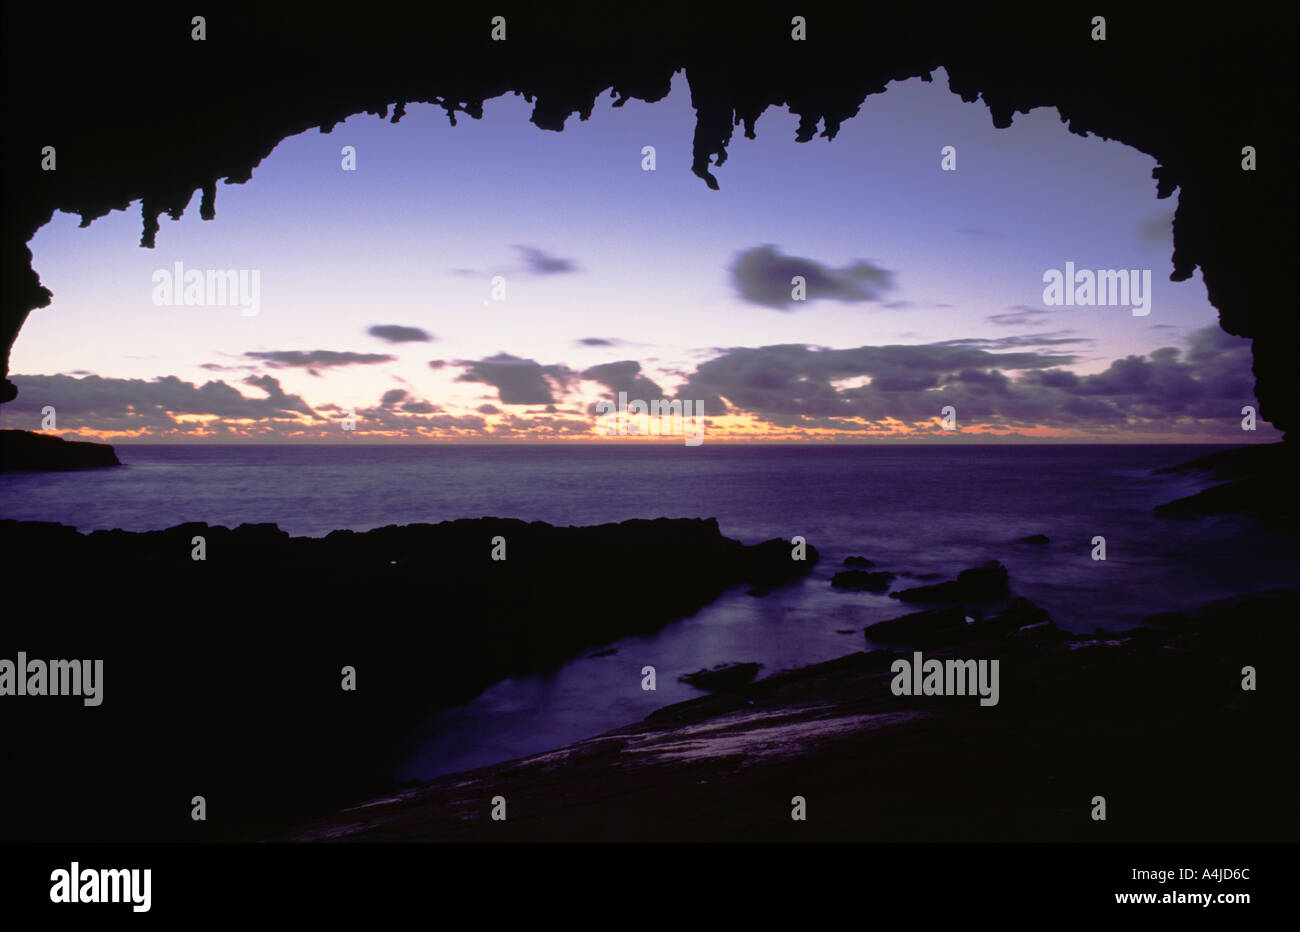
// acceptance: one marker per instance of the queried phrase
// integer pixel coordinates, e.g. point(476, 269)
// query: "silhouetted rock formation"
point(862, 581)
point(919, 627)
point(1019, 613)
point(224, 676)
point(957, 624)
point(980, 583)
point(22, 450)
point(1189, 94)
point(771, 563)
point(723, 676)
point(1262, 484)
point(1238, 462)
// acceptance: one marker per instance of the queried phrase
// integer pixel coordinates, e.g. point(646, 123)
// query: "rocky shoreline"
point(1256, 481)
point(222, 678)
point(1153, 719)
point(229, 669)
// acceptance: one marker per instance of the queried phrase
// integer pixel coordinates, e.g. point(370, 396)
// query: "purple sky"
point(925, 287)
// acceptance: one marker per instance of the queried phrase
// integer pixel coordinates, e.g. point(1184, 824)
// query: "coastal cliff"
point(25, 451)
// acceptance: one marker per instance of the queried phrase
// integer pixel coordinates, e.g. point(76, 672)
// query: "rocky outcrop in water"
point(862, 581)
point(956, 624)
point(25, 451)
point(980, 583)
point(1260, 483)
point(723, 676)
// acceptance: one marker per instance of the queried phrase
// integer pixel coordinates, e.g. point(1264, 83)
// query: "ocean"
point(916, 509)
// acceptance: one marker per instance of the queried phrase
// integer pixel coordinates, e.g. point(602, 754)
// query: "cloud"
point(101, 403)
point(794, 379)
point(1018, 315)
point(1209, 380)
point(1013, 383)
point(598, 341)
point(518, 381)
point(762, 276)
point(396, 333)
point(536, 262)
point(417, 418)
point(1055, 338)
point(514, 426)
point(624, 376)
point(539, 262)
point(317, 359)
point(420, 407)
point(218, 367)
point(796, 385)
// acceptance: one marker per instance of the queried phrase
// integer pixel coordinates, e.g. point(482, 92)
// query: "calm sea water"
point(919, 509)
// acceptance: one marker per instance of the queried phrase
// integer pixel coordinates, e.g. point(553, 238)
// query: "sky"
point(376, 316)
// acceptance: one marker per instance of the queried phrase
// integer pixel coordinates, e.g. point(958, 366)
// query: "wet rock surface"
point(1150, 717)
point(980, 583)
point(1261, 485)
point(862, 581)
point(723, 676)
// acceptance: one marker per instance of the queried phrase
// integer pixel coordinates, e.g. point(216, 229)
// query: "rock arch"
point(137, 110)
